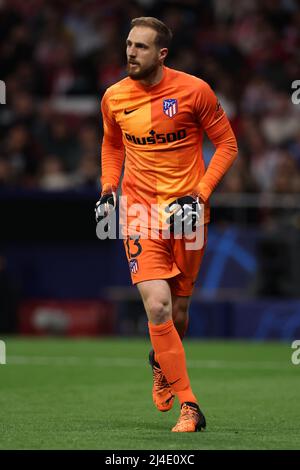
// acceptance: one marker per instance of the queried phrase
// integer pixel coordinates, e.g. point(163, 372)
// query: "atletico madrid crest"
point(170, 107)
point(133, 266)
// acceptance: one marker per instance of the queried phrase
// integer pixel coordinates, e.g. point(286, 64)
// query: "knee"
point(159, 311)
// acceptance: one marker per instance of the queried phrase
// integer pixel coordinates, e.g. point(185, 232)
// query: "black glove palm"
point(185, 214)
point(105, 205)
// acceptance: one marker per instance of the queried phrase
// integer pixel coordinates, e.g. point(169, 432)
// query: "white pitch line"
point(131, 362)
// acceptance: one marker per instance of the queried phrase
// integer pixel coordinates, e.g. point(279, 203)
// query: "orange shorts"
point(170, 259)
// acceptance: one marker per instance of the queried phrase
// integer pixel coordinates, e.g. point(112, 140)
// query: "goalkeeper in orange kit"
point(154, 121)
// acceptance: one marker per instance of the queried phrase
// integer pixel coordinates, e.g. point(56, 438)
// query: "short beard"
point(143, 74)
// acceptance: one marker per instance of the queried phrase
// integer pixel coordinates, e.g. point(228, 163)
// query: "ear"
point(163, 54)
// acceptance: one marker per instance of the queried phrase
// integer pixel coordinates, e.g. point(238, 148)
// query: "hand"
point(185, 214)
point(106, 204)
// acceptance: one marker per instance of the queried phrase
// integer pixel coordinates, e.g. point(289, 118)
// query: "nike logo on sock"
point(172, 383)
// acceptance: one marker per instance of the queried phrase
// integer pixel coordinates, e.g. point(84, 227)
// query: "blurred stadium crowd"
point(57, 58)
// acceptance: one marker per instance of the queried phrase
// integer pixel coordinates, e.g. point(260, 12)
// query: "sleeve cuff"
point(204, 191)
point(108, 188)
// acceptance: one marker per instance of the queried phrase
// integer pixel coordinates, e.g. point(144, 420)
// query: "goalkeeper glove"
point(185, 214)
point(107, 202)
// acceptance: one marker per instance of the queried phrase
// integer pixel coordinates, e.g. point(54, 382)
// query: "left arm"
point(218, 129)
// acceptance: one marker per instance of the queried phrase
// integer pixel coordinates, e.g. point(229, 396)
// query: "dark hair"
point(164, 34)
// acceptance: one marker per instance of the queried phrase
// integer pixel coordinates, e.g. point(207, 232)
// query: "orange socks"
point(170, 354)
point(181, 330)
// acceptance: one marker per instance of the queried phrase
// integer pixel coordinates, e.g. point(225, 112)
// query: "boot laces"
point(187, 413)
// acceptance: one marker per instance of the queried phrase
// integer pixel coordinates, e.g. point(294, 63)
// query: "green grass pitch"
point(96, 394)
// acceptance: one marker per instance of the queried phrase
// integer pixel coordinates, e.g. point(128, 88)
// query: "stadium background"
point(73, 379)
point(56, 59)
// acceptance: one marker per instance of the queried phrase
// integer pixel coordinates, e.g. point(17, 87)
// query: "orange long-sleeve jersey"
point(159, 131)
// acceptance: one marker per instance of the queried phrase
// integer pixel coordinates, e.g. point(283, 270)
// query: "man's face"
point(143, 55)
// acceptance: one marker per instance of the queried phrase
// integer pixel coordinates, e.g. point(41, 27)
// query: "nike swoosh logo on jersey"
point(130, 111)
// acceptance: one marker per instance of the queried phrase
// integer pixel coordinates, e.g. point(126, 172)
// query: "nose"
point(131, 51)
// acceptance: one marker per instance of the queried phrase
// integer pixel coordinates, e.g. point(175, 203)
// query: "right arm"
point(113, 153)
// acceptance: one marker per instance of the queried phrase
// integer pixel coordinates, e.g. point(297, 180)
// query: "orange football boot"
point(191, 419)
point(163, 397)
